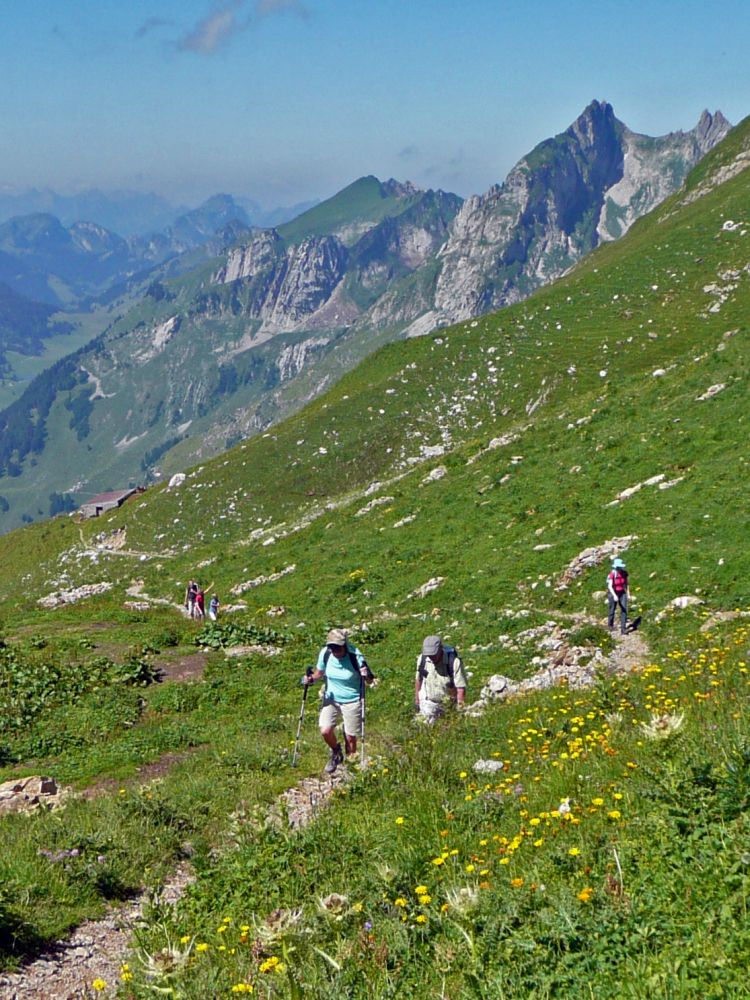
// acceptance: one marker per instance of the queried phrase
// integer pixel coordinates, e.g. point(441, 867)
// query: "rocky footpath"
point(95, 951)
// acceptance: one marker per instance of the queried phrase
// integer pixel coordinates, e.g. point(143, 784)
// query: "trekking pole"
point(308, 672)
point(362, 702)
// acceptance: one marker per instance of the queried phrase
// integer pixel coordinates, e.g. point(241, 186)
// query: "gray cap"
point(337, 637)
point(432, 645)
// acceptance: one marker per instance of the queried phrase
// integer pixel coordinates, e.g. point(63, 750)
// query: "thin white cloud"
point(217, 29)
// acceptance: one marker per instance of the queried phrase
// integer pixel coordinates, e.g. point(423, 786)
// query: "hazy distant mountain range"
point(128, 213)
point(236, 326)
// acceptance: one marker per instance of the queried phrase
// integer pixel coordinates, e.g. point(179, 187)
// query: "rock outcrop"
point(588, 184)
point(25, 795)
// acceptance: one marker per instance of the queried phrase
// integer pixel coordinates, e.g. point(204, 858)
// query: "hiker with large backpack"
point(346, 675)
point(617, 595)
point(440, 681)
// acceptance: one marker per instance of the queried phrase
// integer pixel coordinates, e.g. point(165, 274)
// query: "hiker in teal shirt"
point(345, 670)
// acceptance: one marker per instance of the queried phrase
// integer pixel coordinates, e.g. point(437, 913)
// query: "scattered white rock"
point(177, 480)
point(670, 483)
point(437, 473)
point(405, 520)
point(712, 390)
point(25, 795)
point(240, 588)
point(488, 766)
point(62, 597)
point(685, 601)
point(251, 650)
point(631, 490)
point(594, 556)
point(427, 588)
point(377, 502)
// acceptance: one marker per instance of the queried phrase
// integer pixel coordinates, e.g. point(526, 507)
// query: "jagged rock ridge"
point(586, 185)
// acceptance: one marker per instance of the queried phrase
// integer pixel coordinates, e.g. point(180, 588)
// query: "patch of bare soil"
point(152, 771)
point(184, 668)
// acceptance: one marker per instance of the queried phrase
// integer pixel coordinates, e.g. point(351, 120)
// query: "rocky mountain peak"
point(594, 122)
point(399, 189)
point(711, 128)
point(587, 184)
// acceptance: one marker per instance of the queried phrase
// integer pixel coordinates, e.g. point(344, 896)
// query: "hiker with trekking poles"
point(617, 595)
point(347, 677)
point(440, 681)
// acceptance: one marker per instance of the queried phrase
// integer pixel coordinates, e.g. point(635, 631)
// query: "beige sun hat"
point(337, 637)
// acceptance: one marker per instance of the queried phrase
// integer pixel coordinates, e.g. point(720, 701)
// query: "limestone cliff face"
point(284, 286)
point(653, 169)
point(321, 281)
point(585, 185)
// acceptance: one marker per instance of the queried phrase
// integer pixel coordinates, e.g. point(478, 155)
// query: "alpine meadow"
point(582, 827)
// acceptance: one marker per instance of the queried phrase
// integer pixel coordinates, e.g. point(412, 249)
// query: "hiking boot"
point(336, 758)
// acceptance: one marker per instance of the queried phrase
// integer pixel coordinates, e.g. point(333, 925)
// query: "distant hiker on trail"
point(346, 674)
point(440, 679)
point(199, 607)
point(213, 608)
point(617, 594)
point(191, 591)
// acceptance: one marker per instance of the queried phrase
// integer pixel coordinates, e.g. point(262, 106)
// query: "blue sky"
point(288, 100)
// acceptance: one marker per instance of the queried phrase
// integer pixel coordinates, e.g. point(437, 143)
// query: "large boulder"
point(25, 795)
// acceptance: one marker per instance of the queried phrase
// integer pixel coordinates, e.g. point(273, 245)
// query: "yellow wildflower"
point(270, 964)
point(585, 894)
point(99, 985)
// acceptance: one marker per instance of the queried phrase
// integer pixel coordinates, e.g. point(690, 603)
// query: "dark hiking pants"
point(622, 601)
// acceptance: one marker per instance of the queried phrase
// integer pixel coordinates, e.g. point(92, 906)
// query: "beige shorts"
point(332, 712)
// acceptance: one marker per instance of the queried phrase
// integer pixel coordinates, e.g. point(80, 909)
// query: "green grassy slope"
point(363, 202)
point(597, 384)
